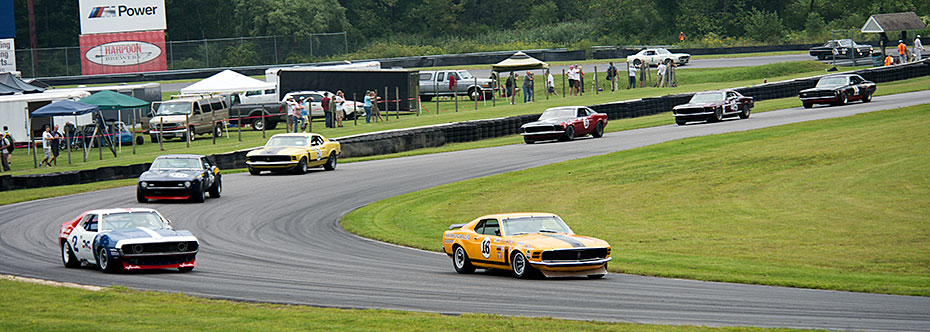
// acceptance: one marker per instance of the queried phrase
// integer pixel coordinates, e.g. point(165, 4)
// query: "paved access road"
point(278, 239)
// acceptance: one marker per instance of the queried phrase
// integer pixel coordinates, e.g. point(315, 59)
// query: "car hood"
point(167, 119)
point(547, 122)
point(278, 151)
point(170, 174)
point(821, 89)
point(547, 241)
point(117, 237)
point(699, 105)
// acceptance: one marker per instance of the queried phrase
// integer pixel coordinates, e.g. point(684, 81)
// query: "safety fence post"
point(355, 109)
point(132, 133)
point(161, 128)
point(264, 119)
point(563, 82)
point(455, 95)
point(387, 111)
point(436, 94)
point(187, 128)
point(396, 103)
point(479, 91)
point(213, 120)
point(596, 85)
point(239, 125)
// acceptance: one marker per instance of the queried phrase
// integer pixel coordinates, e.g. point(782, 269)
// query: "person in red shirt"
point(327, 113)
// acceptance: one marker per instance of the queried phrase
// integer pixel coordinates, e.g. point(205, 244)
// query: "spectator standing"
point(375, 109)
point(918, 48)
point(367, 106)
point(550, 82)
point(631, 69)
point(571, 80)
point(340, 101)
point(508, 85)
point(5, 144)
point(8, 136)
point(902, 52)
point(327, 112)
point(47, 146)
point(70, 131)
point(681, 37)
point(528, 87)
point(305, 115)
point(291, 108)
point(612, 76)
point(660, 74)
point(56, 145)
point(888, 60)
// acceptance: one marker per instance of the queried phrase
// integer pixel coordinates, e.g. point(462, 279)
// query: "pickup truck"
point(436, 83)
point(275, 111)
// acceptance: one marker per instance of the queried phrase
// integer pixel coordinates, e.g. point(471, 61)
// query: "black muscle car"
point(837, 90)
point(713, 106)
point(845, 48)
point(180, 176)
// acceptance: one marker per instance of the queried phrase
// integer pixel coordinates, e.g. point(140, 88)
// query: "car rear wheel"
point(867, 98)
point(67, 256)
point(425, 98)
point(217, 188)
point(569, 134)
point(527, 140)
point(105, 263)
point(258, 124)
point(218, 131)
point(598, 130)
point(520, 267)
point(330, 162)
point(460, 261)
point(745, 113)
point(301, 166)
point(637, 62)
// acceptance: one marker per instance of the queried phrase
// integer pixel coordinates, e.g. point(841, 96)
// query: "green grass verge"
point(832, 204)
point(52, 308)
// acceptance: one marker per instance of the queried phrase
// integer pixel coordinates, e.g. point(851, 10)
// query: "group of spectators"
point(902, 52)
point(299, 112)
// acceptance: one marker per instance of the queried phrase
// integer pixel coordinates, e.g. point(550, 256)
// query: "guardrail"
point(401, 140)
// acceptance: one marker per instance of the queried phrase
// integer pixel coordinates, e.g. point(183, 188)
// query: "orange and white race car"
point(528, 244)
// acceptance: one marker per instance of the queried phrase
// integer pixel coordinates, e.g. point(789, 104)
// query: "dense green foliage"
point(474, 25)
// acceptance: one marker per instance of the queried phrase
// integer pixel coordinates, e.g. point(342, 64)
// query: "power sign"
point(108, 16)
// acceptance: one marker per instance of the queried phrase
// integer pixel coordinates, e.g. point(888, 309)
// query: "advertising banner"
point(106, 16)
point(129, 52)
point(7, 55)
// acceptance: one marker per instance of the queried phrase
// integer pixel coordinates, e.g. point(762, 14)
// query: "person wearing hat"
point(918, 48)
point(528, 87)
point(902, 51)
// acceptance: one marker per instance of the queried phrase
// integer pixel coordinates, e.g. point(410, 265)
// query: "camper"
point(15, 110)
point(271, 74)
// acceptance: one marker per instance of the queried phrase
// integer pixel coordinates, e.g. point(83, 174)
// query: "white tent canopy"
point(227, 81)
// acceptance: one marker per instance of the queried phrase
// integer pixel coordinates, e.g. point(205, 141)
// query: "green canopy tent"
point(109, 100)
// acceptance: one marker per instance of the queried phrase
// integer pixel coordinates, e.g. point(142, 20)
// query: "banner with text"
point(106, 16)
point(129, 52)
point(7, 55)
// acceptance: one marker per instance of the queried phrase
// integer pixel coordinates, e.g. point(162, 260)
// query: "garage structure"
point(891, 22)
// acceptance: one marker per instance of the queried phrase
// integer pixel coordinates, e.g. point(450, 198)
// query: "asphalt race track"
point(277, 239)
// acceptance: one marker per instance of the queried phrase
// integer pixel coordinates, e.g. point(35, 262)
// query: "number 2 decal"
point(74, 245)
point(486, 247)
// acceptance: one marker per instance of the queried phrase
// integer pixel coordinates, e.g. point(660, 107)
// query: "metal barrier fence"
point(192, 54)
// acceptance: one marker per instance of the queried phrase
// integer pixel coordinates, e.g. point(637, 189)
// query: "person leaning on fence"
point(375, 109)
point(550, 82)
point(327, 112)
point(367, 106)
point(528, 87)
point(631, 69)
point(5, 144)
point(70, 132)
point(660, 74)
point(340, 101)
point(918, 49)
point(612, 76)
point(47, 146)
point(56, 145)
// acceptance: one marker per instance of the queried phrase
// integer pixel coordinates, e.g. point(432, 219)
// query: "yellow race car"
point(528, 244)
point(295, 153)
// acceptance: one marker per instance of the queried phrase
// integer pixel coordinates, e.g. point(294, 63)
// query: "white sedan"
point(655, 56)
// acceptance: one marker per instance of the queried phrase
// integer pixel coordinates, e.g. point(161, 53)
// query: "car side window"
point(855, 80)
point(650, 52)
point(441, 77)
point(479, 228)
point(731, 95)
point(217, 104)
point(582, 113)
point(90, 223)
point(492, 227)
point(205, 162)
point(425, 76)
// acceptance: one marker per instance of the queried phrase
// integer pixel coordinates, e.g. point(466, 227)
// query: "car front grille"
point(165, 184)
point(270, 158)
point(692, 110)
point(573, 255)
point(818, 94)
point(159, 248)
point(160, 260)
point(540, 129)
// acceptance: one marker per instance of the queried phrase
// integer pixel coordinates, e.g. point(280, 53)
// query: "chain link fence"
point(205, 53)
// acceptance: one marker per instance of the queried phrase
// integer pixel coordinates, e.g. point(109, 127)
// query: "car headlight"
point(144, 184)
point(187, 184)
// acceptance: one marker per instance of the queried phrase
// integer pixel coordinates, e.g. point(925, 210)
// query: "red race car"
point(713, 106)
point(564, 123)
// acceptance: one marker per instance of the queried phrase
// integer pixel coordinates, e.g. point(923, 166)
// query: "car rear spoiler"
point(454, 226)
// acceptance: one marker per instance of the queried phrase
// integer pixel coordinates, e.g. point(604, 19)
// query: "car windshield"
point(169, 163)
point(556, 113)
point(465, 74)
point(527, 225)
point(707, 97)
point(124, 220)
point(831, 82)
point(174, 108)
point(662, 51)
point(286, 141)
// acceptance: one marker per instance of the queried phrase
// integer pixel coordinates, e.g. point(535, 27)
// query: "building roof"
point(879, 23)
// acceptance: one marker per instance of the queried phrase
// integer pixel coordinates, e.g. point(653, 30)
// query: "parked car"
point(252, 111)
point(259, 96)
point(845, 48)
point(564, 124)
point(295, 153)
point(180, 176)
point(126, 239)
point(435, 83)
point(189, 116)
point(713, 106)
point(527, 244)
point(351, 108)
point(838, 90)
point(655, 56)
point(119, 134)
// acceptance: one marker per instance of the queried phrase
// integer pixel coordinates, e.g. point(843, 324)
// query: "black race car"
point(180, 176)
point(837, 90)
point(845, 48)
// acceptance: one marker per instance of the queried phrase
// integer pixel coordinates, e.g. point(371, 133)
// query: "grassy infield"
point(787, 210)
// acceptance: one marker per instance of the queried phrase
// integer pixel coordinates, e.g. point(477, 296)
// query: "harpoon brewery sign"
point(128, 52)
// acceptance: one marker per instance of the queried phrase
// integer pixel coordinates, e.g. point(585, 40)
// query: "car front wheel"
point(527, 140)
point(717, 116)
point(460, 261)
point(745, 113)
point(199, 195)
point(520, 267)
point(105, 263)
point(186, 269)
point(301, 166)
point(598, 130)
point(140, 196)
point(569, 134)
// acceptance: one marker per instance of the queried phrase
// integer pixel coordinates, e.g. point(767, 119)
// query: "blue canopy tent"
point(73, 108)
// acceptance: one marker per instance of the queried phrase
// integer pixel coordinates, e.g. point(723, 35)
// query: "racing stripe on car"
point(150, 232)
point(273, 150)
point(567, 239)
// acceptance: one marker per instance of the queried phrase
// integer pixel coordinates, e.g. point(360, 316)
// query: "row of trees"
point(370, 21)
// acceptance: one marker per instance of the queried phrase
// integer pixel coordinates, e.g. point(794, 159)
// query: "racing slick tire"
point(330, 164)
point(598, 130)
point(199, 195)
point(568, 135)
point(808, 105)
point(67, 256)
point(217, 188)
point(301, 167)
point(527, 140)
point(105, 263)
point(717, 116)
point(520, 268)
point(745, 113)
point(185, 269)
point(843, 99)
point(867, 98)
point(680, 122)
point(254, 171)
point(460, 261)
point(140, 197)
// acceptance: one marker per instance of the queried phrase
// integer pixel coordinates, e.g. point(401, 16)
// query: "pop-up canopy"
point(519, 61)
point(10, 84)
point(227, 81)
point(109, 100)
point(62, 108)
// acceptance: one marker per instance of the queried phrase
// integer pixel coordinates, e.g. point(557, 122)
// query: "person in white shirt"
point(661, 74)
point(47, 146)
point(918, 48)
point(340, 101)
point(550, 82)
point(631, 69)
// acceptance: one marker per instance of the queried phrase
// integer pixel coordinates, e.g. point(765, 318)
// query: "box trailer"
point(15, 110)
